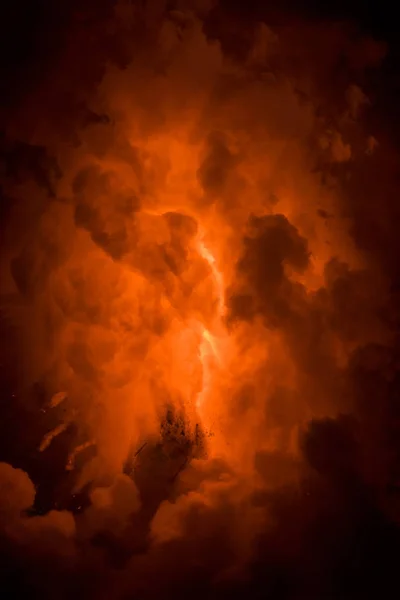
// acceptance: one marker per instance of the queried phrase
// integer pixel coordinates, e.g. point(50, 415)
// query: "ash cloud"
point(272, 242)
point(162, 133)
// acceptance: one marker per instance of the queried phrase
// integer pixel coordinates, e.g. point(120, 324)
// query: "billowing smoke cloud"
point(199, 332)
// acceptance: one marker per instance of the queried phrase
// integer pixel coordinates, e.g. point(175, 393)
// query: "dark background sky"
point(32, 34)
point(32, 31)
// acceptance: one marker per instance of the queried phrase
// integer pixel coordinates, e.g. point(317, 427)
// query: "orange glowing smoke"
point(162, 210)
point(163, 337)
point(196, 343)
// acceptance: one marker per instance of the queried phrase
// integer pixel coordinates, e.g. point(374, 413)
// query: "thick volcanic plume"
point(199, 331)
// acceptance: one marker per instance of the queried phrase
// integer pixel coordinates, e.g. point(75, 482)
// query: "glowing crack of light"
point(209, 257)
point(208, 349)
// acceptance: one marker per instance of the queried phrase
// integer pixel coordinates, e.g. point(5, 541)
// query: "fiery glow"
point(189, 258)
point(196, 262)
point(206, 350)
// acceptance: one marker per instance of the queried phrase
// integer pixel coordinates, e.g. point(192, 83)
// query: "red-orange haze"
point(192, 255)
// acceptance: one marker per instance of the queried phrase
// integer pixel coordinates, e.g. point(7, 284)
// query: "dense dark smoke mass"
point(199, 303)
